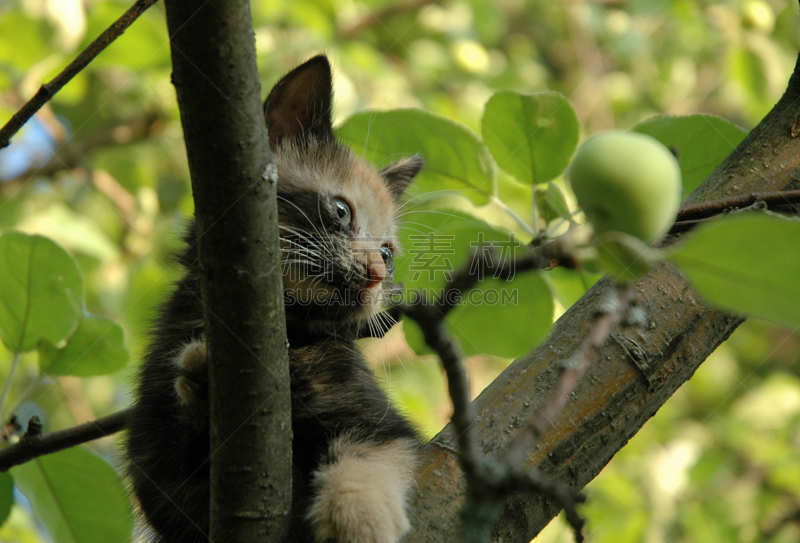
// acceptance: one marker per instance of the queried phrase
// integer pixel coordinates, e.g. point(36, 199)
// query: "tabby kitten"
point(353, 453)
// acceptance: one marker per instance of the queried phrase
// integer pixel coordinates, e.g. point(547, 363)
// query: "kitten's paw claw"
point(361, 498)
point(192, 384)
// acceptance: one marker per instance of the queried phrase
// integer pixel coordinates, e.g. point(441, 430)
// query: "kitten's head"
point(337, 213)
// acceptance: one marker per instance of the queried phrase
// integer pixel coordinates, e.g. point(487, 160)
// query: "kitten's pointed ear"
point(400, 175)
point(299, 105)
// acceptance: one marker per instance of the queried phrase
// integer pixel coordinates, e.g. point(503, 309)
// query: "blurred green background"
point(102, 171)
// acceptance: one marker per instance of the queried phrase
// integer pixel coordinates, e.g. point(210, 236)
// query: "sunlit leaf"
point(97, 347)
point(40, 291)
point(701, 141)
point(455, 158)
point(77, 496)
point(532, 136)
point(746, 264)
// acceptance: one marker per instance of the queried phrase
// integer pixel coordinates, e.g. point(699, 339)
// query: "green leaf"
point(702, 141)
point(97, 347)
point(500, 318)
point(40, 291)
point(455, 158)
point(6, 495)
point(531, 136)
point(504, 318)
point(551, 203)
point(23, 40)
point(77, 496)
point(746, 264)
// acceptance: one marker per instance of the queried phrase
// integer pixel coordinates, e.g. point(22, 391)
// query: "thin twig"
point(485, 262)
point(489, 481)
point(31, 447)
point(715, 207)
point(534, 480)
point(430, 315)
point(49, 89)
point(451, 356)
point(611, 312)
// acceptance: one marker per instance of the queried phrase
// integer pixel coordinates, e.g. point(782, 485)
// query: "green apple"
point(627, 182)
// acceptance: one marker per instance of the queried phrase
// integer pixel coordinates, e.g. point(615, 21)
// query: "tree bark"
point(233, 178)
point(635, 374)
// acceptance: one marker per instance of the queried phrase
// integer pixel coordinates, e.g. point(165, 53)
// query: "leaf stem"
point(525, 226)
point(7, 386)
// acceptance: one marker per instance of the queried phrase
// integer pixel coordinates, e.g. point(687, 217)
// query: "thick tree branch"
point(234, 183)
point(49, 89)
point(33, 446)
point(640, 369)
point(612, 311)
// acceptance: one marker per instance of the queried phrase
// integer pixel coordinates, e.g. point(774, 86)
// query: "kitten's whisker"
point(302, 250)
point(308, 243)
point(428, 196)
point(304, 235)
point(306, 216)
point(407, 226)
point(439, 212)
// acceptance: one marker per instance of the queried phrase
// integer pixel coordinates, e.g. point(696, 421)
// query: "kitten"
point(353, 453)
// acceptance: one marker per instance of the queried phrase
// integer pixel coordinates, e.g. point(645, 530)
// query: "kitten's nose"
point(375, 276)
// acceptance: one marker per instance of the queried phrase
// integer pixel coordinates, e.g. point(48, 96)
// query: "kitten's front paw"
point(361, 497)
point(192, 384)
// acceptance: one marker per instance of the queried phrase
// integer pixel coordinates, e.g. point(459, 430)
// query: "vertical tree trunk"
point(233, 178)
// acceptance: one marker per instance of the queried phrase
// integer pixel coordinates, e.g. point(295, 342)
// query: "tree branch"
point(49, 89)
point(692, 215)
point(611, 311)
point(489, 482)
point(33, 446)
point(234, 182)
point(641, 369)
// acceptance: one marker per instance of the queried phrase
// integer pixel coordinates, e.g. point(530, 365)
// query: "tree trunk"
point(219, 95)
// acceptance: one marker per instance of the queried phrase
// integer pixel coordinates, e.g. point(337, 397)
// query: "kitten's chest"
point(323, 372)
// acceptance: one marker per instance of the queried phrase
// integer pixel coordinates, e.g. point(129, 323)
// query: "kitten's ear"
point(400, 175)
point(299, 105)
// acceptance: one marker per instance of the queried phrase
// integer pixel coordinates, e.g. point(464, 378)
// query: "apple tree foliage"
point(93, 191)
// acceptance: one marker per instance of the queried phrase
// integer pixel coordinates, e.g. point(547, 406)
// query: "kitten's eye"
point(343, 212)
point(388, 258)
